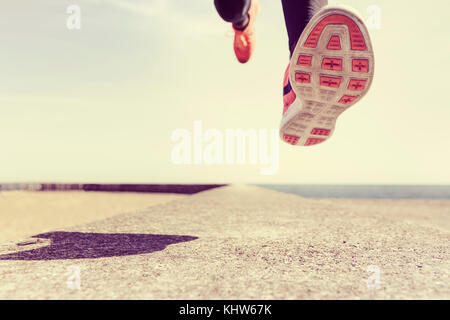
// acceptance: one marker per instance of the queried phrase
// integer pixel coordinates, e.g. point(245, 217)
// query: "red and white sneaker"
point(244, 40)
point(331, 69)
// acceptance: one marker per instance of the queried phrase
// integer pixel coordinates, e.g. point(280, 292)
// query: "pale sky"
point(100, 104)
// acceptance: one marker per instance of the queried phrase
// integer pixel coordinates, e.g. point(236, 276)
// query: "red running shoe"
point(331, 69)
point(244, 40)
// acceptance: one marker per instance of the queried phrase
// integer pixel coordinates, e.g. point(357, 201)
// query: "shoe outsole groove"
point(357, 85)
point(334, 43)
point(304, 61)
point(356, 36)
point(332, 64)
point(302, 77)
point(291, 139)
point(332, 82)
point(313, 141)
point(346, 99)
point(360, 65)
point(320, 132)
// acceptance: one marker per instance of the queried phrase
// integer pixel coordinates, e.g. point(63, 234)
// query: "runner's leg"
point(234, 11)
point(297, 14)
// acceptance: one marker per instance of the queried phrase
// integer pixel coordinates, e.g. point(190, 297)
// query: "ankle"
point(241, 25)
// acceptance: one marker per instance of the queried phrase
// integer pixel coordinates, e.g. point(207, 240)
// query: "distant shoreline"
point(146, 188)
point(346, 191)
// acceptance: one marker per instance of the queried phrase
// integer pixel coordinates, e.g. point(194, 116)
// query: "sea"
point(365, 191)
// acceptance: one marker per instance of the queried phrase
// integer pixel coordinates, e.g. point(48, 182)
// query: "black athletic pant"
point(296, 14)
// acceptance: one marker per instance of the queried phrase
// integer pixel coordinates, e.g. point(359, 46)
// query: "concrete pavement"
point(241, 242)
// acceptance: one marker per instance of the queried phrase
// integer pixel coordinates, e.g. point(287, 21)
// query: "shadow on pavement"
point(77, 245)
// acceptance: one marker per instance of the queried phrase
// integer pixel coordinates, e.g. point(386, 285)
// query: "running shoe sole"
point(331, 69)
